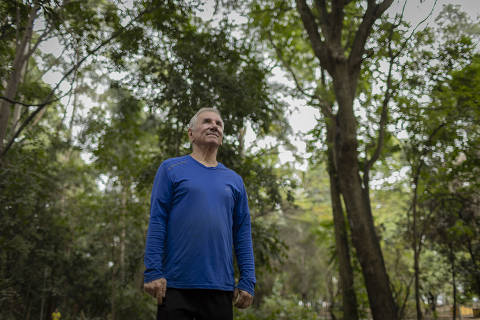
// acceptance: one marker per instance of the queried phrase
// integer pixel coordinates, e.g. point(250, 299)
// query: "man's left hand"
point(242, 299)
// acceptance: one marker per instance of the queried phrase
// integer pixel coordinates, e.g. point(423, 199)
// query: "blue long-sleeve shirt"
point(198, 215)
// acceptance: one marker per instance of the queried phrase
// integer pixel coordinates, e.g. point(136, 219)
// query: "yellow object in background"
point(56, 315)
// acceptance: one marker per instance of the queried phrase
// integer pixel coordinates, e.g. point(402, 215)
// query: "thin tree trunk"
point(416, 267)
point(15, 75)
point(78, 84)
point(341, 236)
point(454, 284)
point(123, 232)
point(474, 260)
point(331, 292)
point(18, 108)
point(416, 249)
point(42, 305)
point(241, 141)
point(114, 286)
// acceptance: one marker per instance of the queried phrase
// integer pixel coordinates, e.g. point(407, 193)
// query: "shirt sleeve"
point(242, 240)
point(155, 247)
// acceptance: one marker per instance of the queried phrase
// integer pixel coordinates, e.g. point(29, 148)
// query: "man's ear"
point(190, 135)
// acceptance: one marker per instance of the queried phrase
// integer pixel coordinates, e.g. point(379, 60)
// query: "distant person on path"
point(56, 314)
point(199, 214)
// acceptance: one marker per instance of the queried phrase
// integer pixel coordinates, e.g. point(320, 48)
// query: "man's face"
point(207, 130)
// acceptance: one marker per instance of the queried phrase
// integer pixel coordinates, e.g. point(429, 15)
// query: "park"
point(354, 124)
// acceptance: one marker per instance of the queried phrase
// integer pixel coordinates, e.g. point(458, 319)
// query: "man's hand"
point(242, 299)
point(157, 289)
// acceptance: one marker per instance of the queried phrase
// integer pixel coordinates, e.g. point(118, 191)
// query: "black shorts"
point(196, 304)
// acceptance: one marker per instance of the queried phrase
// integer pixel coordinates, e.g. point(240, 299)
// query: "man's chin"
point(211, 144)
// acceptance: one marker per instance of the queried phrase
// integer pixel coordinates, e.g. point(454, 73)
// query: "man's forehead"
point(210, 115)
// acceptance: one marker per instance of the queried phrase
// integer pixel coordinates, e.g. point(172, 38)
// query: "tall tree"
point(339, 36)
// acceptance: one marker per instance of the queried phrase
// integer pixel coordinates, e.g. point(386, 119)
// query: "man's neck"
point(206, 156)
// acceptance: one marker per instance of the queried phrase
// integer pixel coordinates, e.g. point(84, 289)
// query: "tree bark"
point(113, 304)
point(454, 284)
point(416, 250)
point(357, 203)
point(350, 309)
point(474, 260)
point(123, 231)
point(416, 268)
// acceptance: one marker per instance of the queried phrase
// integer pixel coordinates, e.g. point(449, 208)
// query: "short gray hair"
point(202, 110)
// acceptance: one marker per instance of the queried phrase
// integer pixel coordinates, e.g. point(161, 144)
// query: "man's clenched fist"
point(157, 289)
point(242, 299)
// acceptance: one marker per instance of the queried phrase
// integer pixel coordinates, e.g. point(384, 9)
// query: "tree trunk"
point(42, 304)
point(15, 75)
point(416, 244)
point(331, 296)
point(357, 202)
point(432, 303)
point(474, 260)
point(241, 141)
point(341, 235)
point(123, 232)
point(114, 284)
point(416, 267)
point(454, 284)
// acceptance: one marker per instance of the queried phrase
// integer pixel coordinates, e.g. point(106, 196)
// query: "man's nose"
point(214, 126)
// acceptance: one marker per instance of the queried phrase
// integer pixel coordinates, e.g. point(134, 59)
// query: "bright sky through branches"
point(303, 118)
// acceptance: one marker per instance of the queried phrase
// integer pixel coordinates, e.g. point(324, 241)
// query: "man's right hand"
point(156, 288)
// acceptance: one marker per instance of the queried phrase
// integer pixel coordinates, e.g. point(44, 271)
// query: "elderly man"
point(199, 214)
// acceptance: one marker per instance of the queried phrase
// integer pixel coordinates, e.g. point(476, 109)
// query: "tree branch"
point(417, 26)
point(388, 94)
point(289, 68)
point(53, 64)
point(39, 40)
point(26, 104)
point(384, 114)
point(373, 12)
point(323, 16)
point(311, 26)
point(337, 22)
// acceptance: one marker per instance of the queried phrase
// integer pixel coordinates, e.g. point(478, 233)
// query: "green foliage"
point(72, 232)
point(38, 260)
point(439, 116)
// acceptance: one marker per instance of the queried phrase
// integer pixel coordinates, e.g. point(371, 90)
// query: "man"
point(199, 214)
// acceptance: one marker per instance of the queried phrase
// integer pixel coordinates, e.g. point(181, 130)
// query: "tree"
point(339, 46)
point(343, 63)
point(433, 122)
